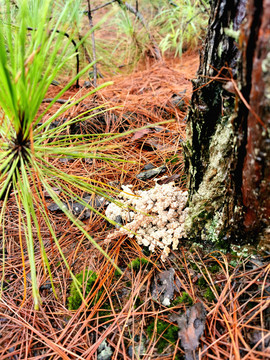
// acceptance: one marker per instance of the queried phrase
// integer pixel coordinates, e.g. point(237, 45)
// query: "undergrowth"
point(125, 35)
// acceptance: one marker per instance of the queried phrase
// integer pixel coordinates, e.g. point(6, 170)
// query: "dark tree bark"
point(228, 147)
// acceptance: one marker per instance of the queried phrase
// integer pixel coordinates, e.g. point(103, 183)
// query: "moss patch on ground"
point(85, 281)
point(167, 334)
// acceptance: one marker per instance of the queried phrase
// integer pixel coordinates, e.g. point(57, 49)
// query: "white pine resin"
point(163, 227)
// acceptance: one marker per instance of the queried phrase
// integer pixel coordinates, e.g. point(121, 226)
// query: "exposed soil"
point(235, 294)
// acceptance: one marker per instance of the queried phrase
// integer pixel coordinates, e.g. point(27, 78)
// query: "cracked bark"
point(227, 148)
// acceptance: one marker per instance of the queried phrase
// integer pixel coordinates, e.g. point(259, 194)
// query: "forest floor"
point(122, 318)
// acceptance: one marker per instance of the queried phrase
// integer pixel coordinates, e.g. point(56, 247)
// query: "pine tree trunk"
point(228, 147)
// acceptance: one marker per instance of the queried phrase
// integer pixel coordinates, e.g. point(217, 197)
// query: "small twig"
point(170, 2)
point(131, 9)
point(100, 7)
point(60, 101)
point(193, 17)
point(93, 42)
point(84, 48)
point(73, 42)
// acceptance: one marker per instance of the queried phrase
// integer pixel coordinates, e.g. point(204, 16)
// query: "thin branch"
point(172, 3)
point(134, 12)
point(84, 48)
point(75, 46)
point(60, 101)
point(93, 42)
point(193, 17)
point(100, 7)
